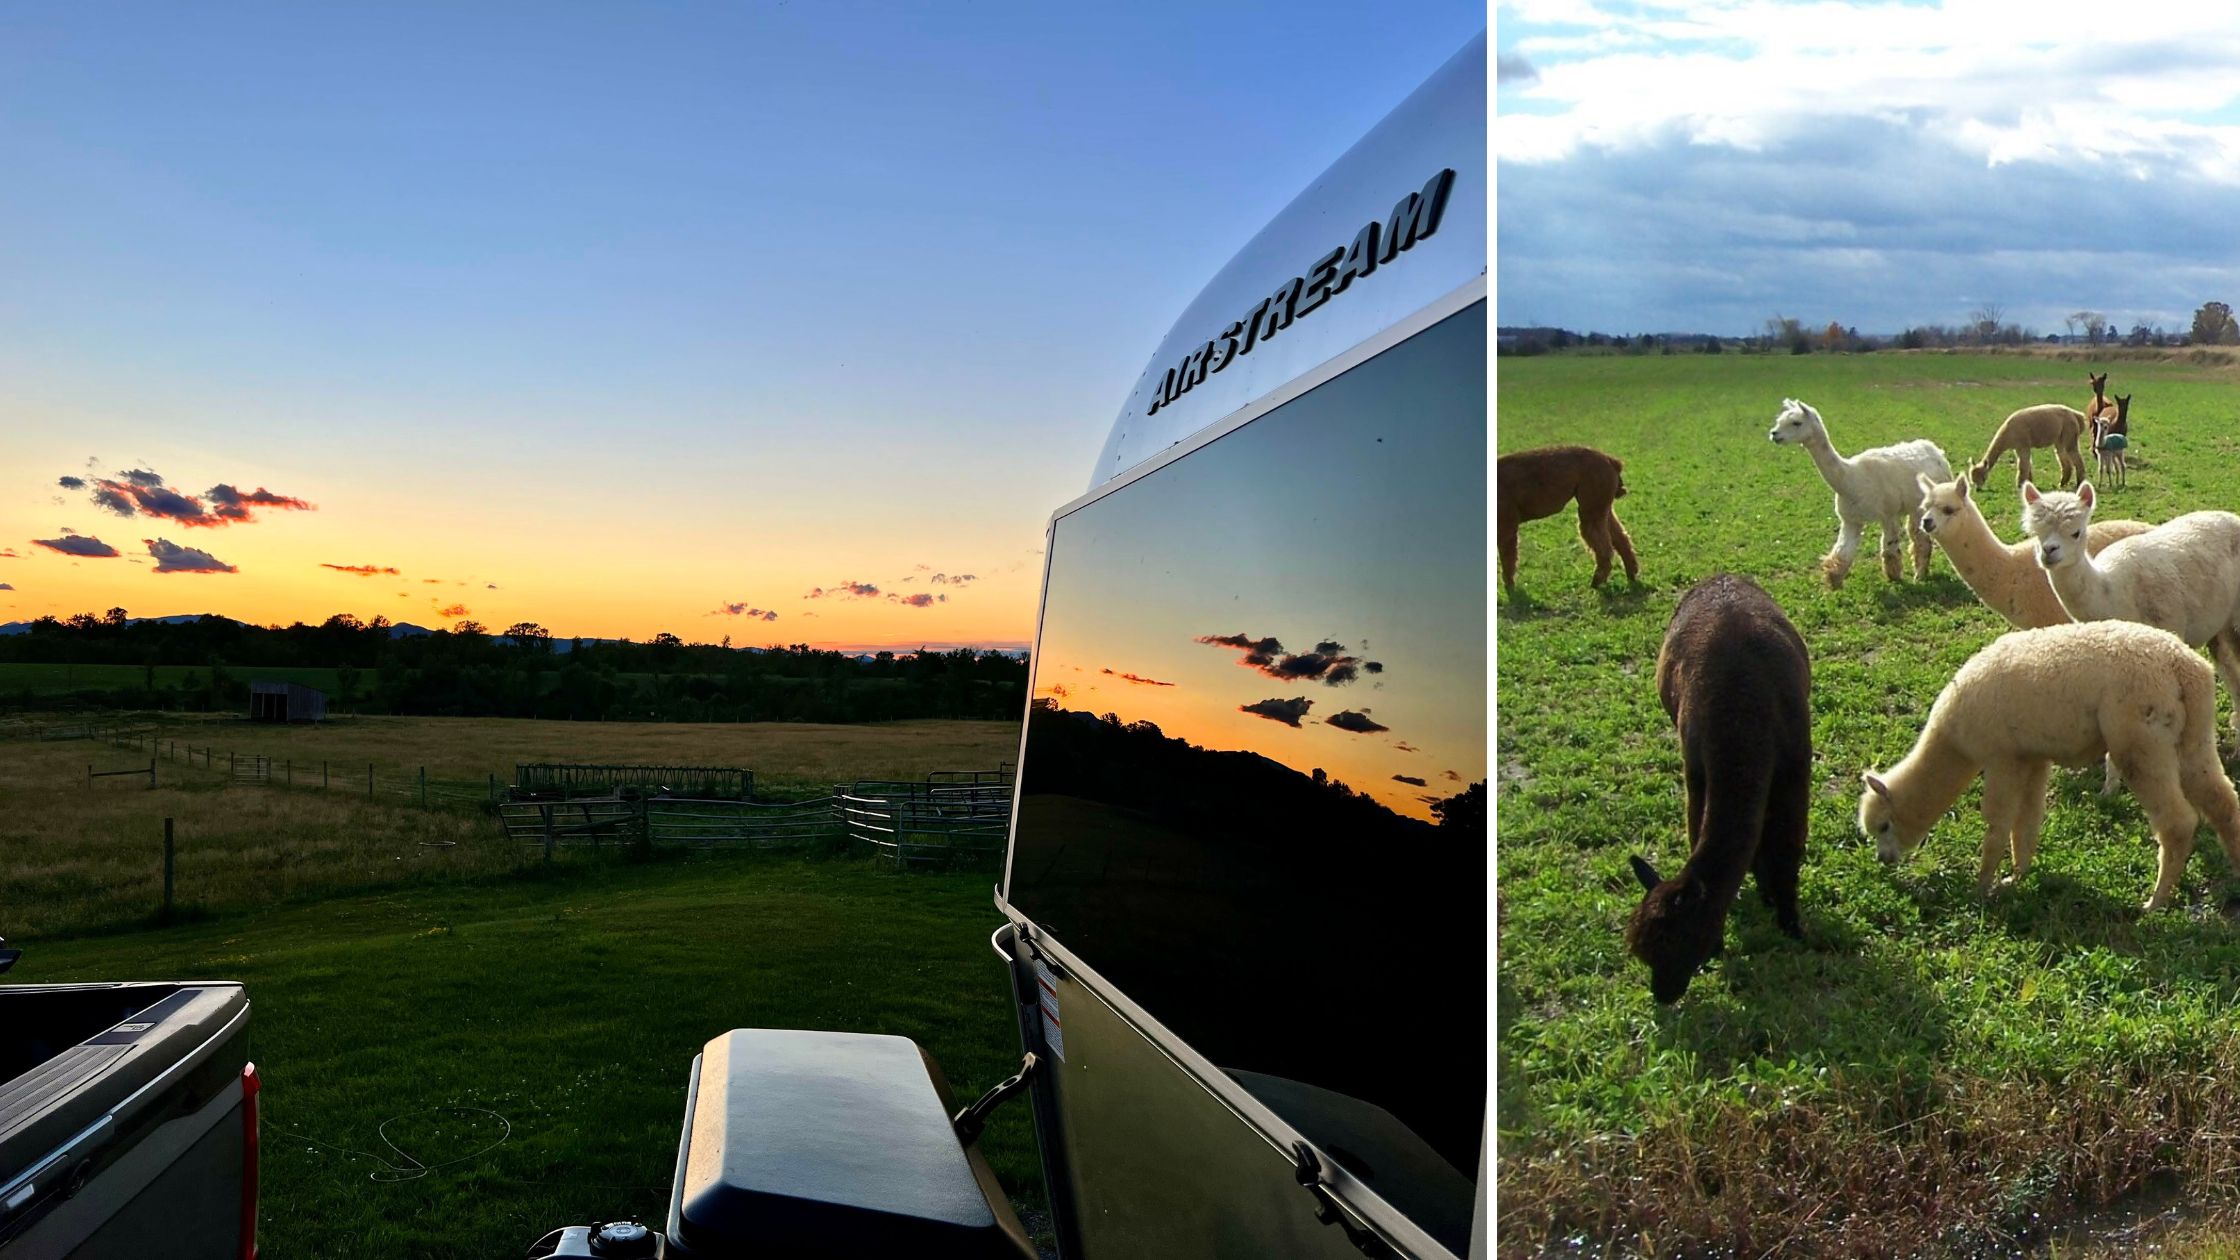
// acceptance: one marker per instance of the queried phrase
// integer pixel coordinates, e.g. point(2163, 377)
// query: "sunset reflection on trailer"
point(1245, 890)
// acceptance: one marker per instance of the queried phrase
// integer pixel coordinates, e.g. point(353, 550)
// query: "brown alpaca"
point(2111, 441)
point(1737, 683)
point(1534, 484)
point(2047, 424)
point(2100, 404)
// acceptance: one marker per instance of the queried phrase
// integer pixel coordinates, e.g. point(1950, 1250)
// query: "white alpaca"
point(2183, 577)
point(1873, 487)
point(2070, 694)
point(2005, 576)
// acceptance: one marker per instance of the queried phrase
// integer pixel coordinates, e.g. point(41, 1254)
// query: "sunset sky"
point(619, 319)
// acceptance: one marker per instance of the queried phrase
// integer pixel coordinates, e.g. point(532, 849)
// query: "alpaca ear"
point(1878, 787)
point(2029, 493)
point(1644, 872)
point(2084, 495)
point(1925, 481)
point(1962, 483)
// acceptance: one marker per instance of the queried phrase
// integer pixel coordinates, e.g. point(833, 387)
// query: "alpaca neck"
point(1967, 538)
point(1834, 468)
point(1929, 781)
point(2082, 584)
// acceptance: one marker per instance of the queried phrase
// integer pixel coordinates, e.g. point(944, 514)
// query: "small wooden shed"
point(286, 702)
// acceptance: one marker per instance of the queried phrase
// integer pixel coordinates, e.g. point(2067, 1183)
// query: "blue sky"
point(720, 291)
point(1707, 164)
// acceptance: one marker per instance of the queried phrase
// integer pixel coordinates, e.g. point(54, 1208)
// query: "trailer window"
point(1253, 794)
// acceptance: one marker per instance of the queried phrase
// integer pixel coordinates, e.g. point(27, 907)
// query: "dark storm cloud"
point(1360, 723)
point(1286, 711)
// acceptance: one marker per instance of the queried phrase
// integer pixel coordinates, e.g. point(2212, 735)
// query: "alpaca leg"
point(1623, 543)
point(1920, 549)
point(2030, 820)
point(1836, 565)
point(2109, 779)
point(2022, 466)
point(1781, 847)
point(2173, 821)
point(1508, 529)
point(1592, 529)
point(2002, 799)
point(2207, 789)
point(2224, 649)
point(1893, 550)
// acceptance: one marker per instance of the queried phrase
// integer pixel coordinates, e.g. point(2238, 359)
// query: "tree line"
point(522, 671)
point(2213, 325)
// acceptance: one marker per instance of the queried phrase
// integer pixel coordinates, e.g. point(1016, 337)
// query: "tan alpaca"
point(2069, 694)
point(2005, 576)
point(2047, 424)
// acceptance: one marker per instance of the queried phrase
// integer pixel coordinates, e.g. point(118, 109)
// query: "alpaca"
point(2183, 577)
point(2111, 438)
point(2070, 694)
point(1872, 487)
point(2047, 424)
point(1533, 484)
point(1736, 682)
point(2100, 404)
point(2005, 576)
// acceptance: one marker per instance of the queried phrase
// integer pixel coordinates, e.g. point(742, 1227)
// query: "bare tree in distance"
point(1985, 320)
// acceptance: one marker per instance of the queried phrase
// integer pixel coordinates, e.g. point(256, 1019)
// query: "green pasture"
point(566, 1004)
point(1928, 1073)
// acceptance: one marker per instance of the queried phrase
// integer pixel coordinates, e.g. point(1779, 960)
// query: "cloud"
point(1405, 746)
point(9, 553)
point(1452, 776)
point(1328, 664)
point(919, 600)
point(1409, 779)
point(1287, 711)
point(361, 570)
point(1137, 678)
point(77, 545)
point(844, 590)
point(453, 611)
point(431, 581)
point(1712, 165)
point(141, 477)
point(954, 579)
point(71, 483)
point(1360, 723)
point(741, 610)
point(170, 557)
point(489, 586)
point(5, 587)
point(1513, 68)
point(233, 505)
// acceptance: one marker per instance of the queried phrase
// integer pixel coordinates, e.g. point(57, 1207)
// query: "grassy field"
point(1929, 1073)
point(48, 680)
point(75, 858)
point(570, 1003)
point(788, 758)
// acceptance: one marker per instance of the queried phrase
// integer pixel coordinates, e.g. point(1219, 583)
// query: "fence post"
point(493, 789)
point(167, 868)
point(89, 776)
point(546, 810)
point(151, 774)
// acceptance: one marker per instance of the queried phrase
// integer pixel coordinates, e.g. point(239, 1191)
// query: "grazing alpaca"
point(2005, 576)
point(2183, 577)
point(1533, 484)
point(2047, 424)
point(2111, 438)
point(1872, 487)
point(2069, 694)
point(1735, 679)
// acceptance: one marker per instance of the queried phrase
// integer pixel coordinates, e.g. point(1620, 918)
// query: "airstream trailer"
point(1244, 900)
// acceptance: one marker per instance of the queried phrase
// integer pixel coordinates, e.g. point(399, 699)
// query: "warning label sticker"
point(1053, 1028)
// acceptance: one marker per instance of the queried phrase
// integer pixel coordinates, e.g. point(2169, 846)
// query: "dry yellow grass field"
point(75, 857)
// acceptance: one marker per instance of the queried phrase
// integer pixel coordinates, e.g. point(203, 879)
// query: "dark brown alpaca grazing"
point(1534, 484)
point(1734, 676)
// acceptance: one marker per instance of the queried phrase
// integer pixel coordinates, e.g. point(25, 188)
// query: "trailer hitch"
point(974, 1118)
point(1308, 1172)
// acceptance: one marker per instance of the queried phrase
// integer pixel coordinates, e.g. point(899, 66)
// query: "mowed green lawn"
point(1929, 1073)
point(569, 1003)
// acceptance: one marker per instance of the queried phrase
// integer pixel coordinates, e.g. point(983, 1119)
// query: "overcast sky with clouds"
point(1702, 165)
